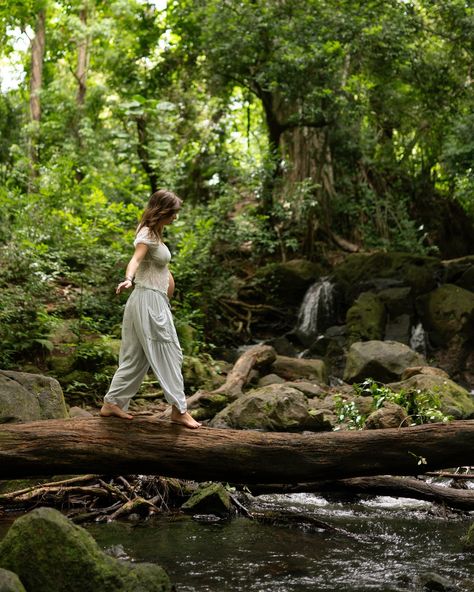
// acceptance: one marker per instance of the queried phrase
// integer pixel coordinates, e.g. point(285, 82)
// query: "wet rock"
point(390, 415)
point(276, 407)
point(290, 280)
point(64, 556)
point(398, 301)
point(454, 399)
point(433, 582)
point(210, 498)
point(30, 397)
point(380, 360)
point(365, 320)
point(10, 582)
point(446, 312)
point(296, 368)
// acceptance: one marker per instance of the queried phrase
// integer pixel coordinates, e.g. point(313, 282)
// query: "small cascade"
point(317, 311)
point(418, 339)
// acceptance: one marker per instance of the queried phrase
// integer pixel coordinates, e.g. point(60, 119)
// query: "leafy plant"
point(422, 406)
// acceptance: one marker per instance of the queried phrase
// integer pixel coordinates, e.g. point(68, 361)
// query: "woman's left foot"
point(184, 419)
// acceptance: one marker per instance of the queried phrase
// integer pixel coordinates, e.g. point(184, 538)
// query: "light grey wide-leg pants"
point(149, 339)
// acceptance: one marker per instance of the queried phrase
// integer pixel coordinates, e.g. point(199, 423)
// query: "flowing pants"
point(149, 339)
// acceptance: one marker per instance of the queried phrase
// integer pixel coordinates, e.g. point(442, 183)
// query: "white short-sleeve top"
point(153, 269)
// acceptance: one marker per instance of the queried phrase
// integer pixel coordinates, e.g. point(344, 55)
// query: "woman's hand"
point(125, 285)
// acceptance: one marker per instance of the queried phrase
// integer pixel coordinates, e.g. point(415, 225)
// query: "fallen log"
point(459, 499)
point(151, 447)
point(255, 357)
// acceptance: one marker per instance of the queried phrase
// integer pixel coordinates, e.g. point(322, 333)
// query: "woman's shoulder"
point(144, 235)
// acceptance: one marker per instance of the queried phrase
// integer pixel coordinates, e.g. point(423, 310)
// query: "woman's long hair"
point(162, 204)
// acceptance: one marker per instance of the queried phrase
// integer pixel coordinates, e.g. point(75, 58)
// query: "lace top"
point(153, 269)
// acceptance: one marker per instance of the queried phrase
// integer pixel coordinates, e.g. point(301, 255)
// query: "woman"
point(148, 334)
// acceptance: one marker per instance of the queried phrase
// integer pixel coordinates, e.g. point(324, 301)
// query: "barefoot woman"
point(148, 334)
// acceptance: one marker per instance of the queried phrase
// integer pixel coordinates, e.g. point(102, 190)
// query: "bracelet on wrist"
point(128, 279)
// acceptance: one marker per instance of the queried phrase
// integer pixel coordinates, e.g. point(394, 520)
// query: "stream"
point(384, 544)
point(391, 542)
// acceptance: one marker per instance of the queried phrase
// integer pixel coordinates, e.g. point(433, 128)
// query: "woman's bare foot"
point(184, 419)
point(110, 409)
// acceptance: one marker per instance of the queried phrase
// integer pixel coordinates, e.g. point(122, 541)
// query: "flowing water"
point(384, 545)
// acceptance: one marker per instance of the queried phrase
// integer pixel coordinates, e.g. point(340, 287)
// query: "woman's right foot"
point(112, 410)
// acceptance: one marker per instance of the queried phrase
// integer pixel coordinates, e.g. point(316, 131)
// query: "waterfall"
point(418, 339)
point(316, 312)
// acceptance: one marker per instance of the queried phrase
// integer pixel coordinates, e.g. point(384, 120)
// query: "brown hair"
point(162, 204)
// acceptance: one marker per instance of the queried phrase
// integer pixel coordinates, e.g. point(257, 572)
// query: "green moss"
point(417, 271)
point(366, 319)
point(63, 556)
point(9, 582)
point(209, 499)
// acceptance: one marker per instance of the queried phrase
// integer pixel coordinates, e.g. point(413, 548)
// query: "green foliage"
point(421, 406)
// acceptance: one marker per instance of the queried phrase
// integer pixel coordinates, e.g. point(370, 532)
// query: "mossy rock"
point(10, 582)
point(448, 311)
point(365, 320)
point(384, 361)
point(187, 335)
point(288, 281)
point(30, 397)
point(275, 407)
point(63, 556)
point(418, 271)
point(210, 498)
point(455, 400)
point(209, 405)
point(468, 540)
point(198, 373)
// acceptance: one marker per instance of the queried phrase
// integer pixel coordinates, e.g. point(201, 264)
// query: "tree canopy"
point(285, 125)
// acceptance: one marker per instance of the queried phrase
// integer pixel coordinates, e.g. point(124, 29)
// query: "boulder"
point(270, 379)
point(79, 412)
point(417, 271)
point(365, 319)
point(30, 397)
point(63, 556)
point(397, 301)
point(10, 582)
point(390, 415)
point(290, 280)
point(430, 370)
point(454, 399)
point(276, 407)
point(380, 360)
point(296, 368)
point(433, 582)
point(448, 311)
point(209, 498)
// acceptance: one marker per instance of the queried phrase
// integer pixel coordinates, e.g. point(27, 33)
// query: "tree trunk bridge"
point(149, 446)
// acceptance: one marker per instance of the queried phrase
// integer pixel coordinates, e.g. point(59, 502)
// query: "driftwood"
point(255, 357)
point(146, 446)
point(459, 499)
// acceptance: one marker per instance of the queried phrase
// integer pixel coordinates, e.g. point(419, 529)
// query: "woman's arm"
point(171, 286)
point(140, 251)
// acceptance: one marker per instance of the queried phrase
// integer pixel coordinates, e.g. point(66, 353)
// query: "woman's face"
point(171, 218)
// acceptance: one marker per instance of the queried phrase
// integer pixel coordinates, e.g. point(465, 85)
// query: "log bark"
point(460, 499)
point(255, 357)
point(147, 446)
